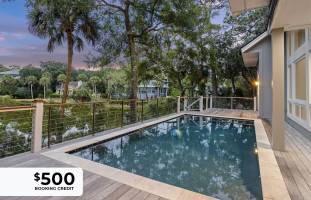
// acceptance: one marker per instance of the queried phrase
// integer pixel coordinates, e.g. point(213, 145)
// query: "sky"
point(19, 47)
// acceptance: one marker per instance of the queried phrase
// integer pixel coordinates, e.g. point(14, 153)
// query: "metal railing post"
point(185, 103)
point(231, 101)
point(178, 104)
point(201, 103)
point(142, 110)
point(157, 106)
point(37, 122)
point(255, 104)
point(93, 118)
point(49, 126)
point(122, 113)
point(211, 102)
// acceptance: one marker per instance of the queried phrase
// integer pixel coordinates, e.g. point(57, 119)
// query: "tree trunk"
point(181, 87)
point(133, 60)
point(158, 92)
point(31, 91)
point(233, 86)
point(214, 83)
point(44, 92)
point(65, 93)
point(69, 65)
point(61, 90)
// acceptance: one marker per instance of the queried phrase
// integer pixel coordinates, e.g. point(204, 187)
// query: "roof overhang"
point(290, 14)
point(239, 6)
point(250, 58)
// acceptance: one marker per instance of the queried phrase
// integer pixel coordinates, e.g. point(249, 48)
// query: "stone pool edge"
point(273, 186)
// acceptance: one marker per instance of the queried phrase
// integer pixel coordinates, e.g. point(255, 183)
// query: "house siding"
point(264, 67)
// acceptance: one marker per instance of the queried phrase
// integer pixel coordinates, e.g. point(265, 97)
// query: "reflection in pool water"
point(212, 156)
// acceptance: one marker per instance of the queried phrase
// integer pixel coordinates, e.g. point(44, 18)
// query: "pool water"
point(213, 156)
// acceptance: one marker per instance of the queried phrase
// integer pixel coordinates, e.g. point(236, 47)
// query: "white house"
point(152, 89)
point(13, 72)
point(72, 86)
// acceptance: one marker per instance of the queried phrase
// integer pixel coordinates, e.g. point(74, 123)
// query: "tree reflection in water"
point(212, 156)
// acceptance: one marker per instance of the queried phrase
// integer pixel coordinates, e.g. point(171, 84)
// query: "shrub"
point(22, 93)
point(6, 100)
point(81, 94)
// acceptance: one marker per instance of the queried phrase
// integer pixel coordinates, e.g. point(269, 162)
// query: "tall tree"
point(45, 81)
point(94, 80)
point(62, 20)
point(236, 32)
point(127, 22)
point(183, 48)
point(8, 85)
point(82, 77)
point(61, 78)
point(31, 80)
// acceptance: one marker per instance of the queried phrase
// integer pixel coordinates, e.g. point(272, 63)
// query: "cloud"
point(19, 47)
point(34, 54)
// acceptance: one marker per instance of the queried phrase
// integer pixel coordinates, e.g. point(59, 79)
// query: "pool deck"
point(294, 163)
point(95, 186)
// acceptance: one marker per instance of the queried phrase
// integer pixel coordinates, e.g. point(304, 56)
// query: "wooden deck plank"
point(288, 178)
point(141, 196)
point(95, 187)
point(129, 194)
point(295, 162)
point(152, 197)
point(118, 192)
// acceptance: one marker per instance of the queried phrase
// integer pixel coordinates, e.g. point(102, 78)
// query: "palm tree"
point(31, 80)
point(63, 20)
point(94, 80)
point(45, 81)
point(82, 77)
point(61, 78)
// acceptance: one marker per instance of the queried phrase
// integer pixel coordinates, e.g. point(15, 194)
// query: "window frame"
point(293, 56)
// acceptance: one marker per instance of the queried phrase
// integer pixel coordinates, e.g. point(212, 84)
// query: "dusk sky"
point(19, 47)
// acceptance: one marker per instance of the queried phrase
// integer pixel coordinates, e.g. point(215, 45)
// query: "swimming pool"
point(213, 156)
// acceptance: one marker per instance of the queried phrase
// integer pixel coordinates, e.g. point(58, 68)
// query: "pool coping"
point(272, 183)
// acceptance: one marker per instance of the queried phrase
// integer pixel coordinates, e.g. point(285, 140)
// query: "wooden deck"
point(295, 162)
point(232, 113)
point(295, 165)
point(95, 187)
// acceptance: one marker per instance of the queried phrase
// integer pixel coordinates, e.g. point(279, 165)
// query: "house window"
point(299, 38)
point(298, 61)
point(300, 78)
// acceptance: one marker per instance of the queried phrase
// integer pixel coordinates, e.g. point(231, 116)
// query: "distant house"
point(71, 87)
point(13, 72)
point(152, 89)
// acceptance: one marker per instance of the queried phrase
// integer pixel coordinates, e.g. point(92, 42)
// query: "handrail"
point(185, 97)
point(220, 97)
point(15, 108)
point(104, 101)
